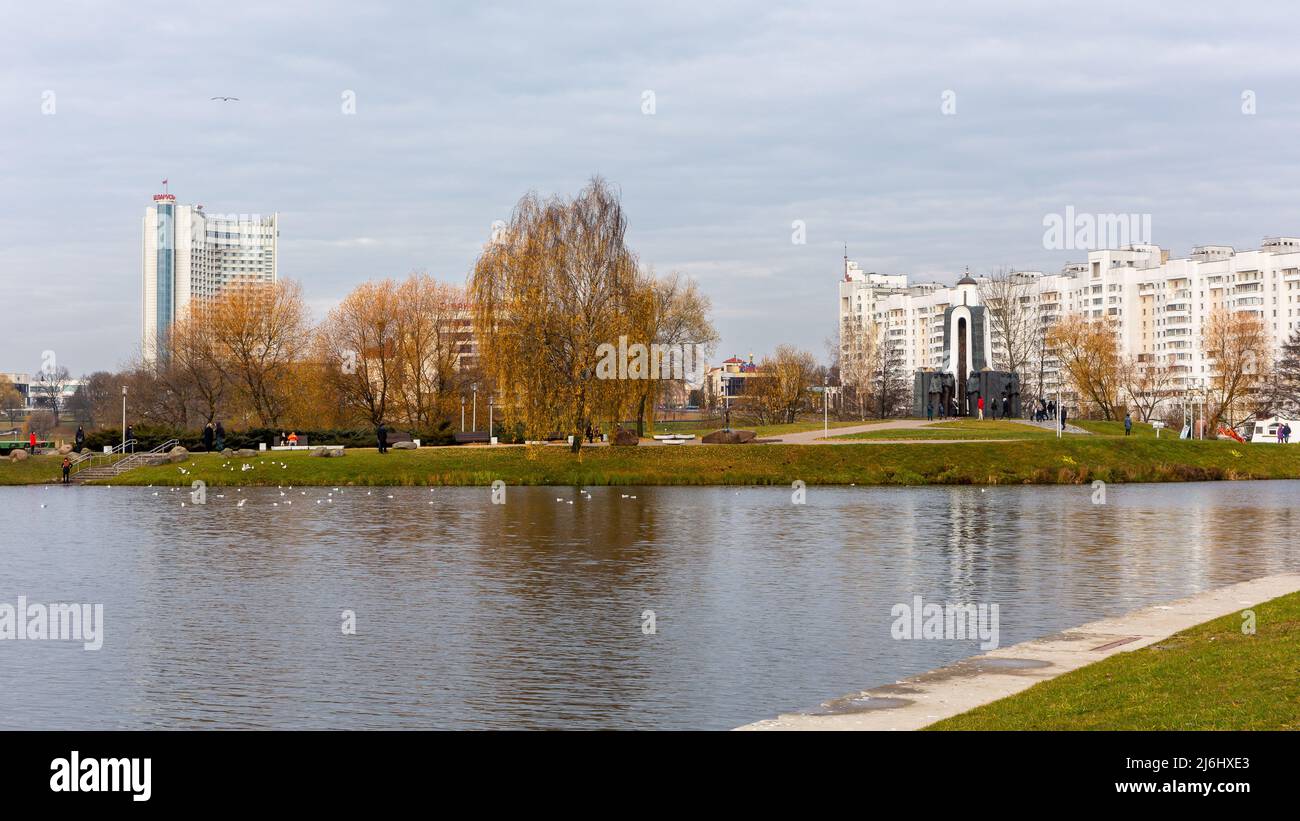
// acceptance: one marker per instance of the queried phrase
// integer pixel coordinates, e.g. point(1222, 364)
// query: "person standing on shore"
point(130, 439)
point(67, 469)
point(207, 437)
point(1128, 423)
point(381, 435)
point(81, 438)
point(221, 437)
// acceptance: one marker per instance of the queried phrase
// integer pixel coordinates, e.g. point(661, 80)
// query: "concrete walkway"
point(817, 437)
point(919, 701)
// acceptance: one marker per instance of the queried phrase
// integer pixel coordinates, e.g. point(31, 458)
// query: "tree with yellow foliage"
point(1088, 350)
point(1236, 348)
point(551, 287)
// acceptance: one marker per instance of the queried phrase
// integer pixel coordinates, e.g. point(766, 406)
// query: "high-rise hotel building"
point(189, 255)
point(1161, 306)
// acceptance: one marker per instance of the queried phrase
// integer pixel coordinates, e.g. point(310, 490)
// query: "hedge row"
point(149, 437)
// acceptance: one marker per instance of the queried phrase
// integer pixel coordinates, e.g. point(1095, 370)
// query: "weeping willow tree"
point(552, 286)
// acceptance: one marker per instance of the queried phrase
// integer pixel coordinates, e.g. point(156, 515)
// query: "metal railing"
point(114, 462)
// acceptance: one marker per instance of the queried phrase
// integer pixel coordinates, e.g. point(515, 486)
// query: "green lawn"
point(699, 429)
point(31, 471)
point(966, 429)
point(1211, 677)
point(1041, 460)
point(1142, 430)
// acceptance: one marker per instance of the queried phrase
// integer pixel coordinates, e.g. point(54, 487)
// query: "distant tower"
point(189, 256)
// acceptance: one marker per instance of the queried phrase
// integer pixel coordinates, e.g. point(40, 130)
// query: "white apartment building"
point(187, 255)
point(1161, 305)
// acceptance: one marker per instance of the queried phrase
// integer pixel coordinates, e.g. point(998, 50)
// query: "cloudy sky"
point(829, 113)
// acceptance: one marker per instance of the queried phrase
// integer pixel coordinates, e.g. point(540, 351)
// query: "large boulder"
point(407, 445)
point(227, 453)
point(728, 437)
point(623, 436)
point(327, 452)
point(245, 453)
point(177, 454)
point(64, 450)
point(17, 455)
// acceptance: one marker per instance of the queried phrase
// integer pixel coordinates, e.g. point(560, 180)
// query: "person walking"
point(67, 469)
point(381, 435)
point(929, 411)
point(221, 437)
point(1006, 406)
point(81, 438)
point(1286, 433)
point(208, 436)
point(981, 408)
point(1128, 423)
point(1063, 414)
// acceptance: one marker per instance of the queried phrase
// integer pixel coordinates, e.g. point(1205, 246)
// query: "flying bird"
point(227, 99)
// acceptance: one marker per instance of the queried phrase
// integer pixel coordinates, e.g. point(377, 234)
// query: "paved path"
point(919, 701)
point(815, 437)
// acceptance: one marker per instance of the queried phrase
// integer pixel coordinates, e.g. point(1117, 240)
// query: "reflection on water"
point(528, 614)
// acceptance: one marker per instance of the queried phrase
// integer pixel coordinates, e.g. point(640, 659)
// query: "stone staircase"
point(92, 467)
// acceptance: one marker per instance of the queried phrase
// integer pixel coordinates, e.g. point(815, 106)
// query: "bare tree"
point(861, 355)
point(1148, 383)
point(1236, 346)
point(888, 384)
point(48, 389)
point(1013, 320)
point(1287, 377)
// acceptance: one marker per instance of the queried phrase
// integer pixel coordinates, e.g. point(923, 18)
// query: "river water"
point(532, 613)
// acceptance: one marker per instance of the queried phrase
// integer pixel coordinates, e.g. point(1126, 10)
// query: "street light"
point(491, 401)
point(826, 414)
point(474, 389)
point(462, 413)
point(124, 418)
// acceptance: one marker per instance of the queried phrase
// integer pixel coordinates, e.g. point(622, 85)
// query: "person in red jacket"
point(981, 406)
point(32, 440)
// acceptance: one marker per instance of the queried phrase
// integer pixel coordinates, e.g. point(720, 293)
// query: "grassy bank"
point(1211, 677)
point(1078, 459)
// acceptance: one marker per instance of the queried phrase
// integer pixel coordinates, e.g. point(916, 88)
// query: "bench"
point(472, 436)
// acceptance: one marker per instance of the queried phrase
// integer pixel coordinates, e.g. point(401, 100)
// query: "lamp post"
point(124, 418)
point(462, 413)
point(491, 402)
point(474, 389)
point(826, 413)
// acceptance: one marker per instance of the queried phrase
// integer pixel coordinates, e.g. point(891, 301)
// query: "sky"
point(928, 137)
